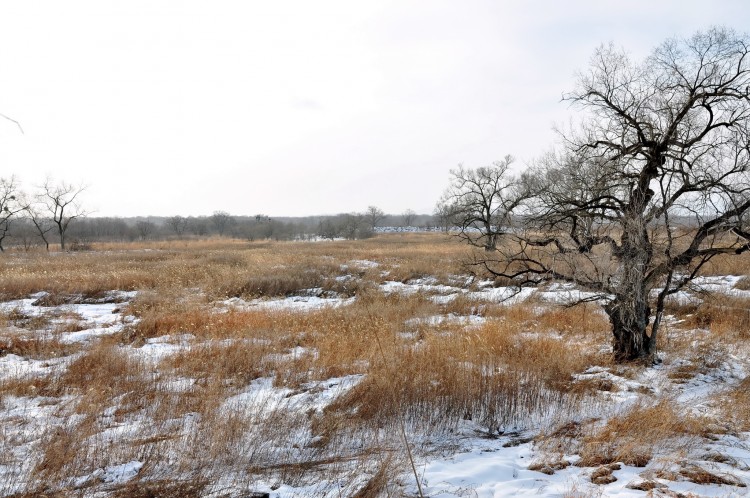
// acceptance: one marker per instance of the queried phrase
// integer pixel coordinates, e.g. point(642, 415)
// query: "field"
point(369, 368)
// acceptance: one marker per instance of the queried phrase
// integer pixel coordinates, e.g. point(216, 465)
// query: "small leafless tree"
point(42, 224)
point(651, 187)
point(408, 217)
point(59, 202)
point(374, 215)
point(478, 203)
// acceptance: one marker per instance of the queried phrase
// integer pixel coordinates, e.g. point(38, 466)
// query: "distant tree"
point(42, 224)
point(374, 215)
point(222, 221)
point(327, 229)
point(408, 217)
point(478, 202)
point(10, 206)
point(197, 225)
point(350, 224)
point(60, 202)
point(145, 228)
point(25, 232)
point(178, 224)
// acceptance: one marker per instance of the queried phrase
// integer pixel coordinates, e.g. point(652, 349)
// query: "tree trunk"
point(631, 340)
point(629, 311)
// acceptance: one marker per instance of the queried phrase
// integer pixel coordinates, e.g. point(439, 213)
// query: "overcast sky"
point(294, 108)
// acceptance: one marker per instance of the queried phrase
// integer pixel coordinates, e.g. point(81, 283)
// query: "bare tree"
point(145, 228)
point(42, 224)
point(374, 215)
point(478, 202)
point(10, 206)
point(197, 225)
point(652, 186)
point(222, 221)
point(60, 202)
point(408, 217)
point(178, 224)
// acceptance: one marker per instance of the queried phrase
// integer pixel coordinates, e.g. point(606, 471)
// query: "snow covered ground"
point(468, 462)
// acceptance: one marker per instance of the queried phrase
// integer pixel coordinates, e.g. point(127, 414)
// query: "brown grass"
point(37, 347)
point(725, 316)
point(634, 437)
point(511, 370)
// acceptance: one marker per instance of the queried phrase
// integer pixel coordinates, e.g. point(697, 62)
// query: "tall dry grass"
point(197, 413)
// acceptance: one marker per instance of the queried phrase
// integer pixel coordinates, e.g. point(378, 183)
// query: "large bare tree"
point(651, 186)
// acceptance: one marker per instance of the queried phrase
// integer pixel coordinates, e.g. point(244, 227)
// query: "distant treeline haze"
point(83, 231)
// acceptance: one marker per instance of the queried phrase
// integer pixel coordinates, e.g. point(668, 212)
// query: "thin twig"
point(12, 121)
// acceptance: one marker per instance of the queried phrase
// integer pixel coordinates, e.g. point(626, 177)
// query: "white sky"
point(298, 107)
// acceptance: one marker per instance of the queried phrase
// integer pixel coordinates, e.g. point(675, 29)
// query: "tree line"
point(54, 214)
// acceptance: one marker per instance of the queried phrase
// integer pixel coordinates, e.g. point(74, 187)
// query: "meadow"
point(379, 367)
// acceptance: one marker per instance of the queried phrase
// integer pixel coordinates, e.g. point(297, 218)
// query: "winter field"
point(354, 369)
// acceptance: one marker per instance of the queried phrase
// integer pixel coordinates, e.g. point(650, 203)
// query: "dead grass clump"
point(104, 376)
point(725, 316)
point(61, 446)
point(603, 475)
point(634, 437)
point(30, 386)
point(699, 475)
point(37, 347)
point(160, 489)
point(18, 318)
point(378, 483)
point(100, 367)
point(734, 405)
point(162, 316)
point(236, 363)
point(743, 283)
point(728, 264)
point(491, 375)
point(583, 319)
point(549, 466)
point(280, 284)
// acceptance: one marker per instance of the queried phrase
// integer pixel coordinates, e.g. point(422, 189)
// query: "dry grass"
point(494, 375)
point(634, 437)
point(37, 347)
point(734, 406)
point(420, 365)
point(725, 316)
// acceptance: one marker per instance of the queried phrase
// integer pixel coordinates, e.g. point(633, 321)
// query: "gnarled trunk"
point(629, 312)
point(631, 339)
